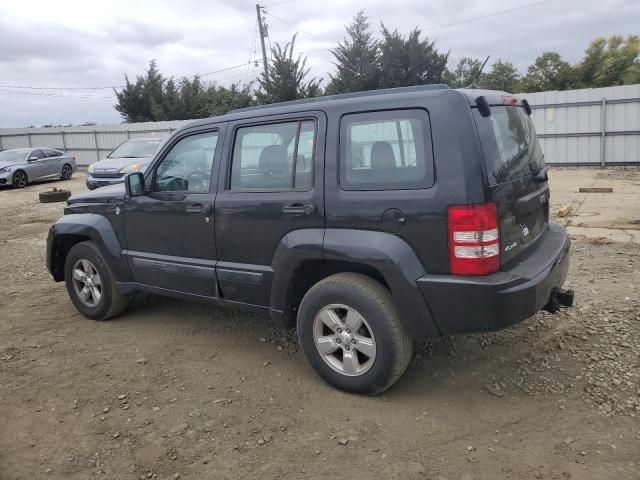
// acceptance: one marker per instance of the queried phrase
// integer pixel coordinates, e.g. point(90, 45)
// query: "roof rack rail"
point(366, 93)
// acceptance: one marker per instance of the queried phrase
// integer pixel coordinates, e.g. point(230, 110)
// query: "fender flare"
point(94, 227)
point(386, 253)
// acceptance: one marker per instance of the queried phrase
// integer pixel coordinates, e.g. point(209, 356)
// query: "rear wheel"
point(351, 333)
point(91, 284)
point(20, 179)
point(67, 172)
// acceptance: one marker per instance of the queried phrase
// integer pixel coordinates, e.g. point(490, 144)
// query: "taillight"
point(474, 239)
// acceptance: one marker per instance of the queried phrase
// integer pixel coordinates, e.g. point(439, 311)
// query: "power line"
point(501, 12)
point(293, 26)
point(278, 3)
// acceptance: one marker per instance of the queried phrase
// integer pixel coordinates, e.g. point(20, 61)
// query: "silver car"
point(21, 166)
point(134, 155)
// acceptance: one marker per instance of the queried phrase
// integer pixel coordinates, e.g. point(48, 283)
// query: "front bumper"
point(97, 182)
point(491, 302)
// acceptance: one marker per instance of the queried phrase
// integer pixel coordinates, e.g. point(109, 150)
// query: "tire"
point(67, 172)
point(110, 302)
point(55, 196)
point(380, 366)
point(20, 179)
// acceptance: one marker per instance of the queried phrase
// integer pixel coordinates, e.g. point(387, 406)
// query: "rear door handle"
point(198, 208)
point(299, 209)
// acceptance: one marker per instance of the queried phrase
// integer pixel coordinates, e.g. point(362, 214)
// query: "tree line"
point(365, 62)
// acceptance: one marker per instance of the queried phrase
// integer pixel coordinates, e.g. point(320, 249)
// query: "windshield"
point(135, 149)
point(510, 144)
point(13, 155)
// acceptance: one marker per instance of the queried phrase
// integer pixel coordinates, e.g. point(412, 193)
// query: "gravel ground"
point(177, 390)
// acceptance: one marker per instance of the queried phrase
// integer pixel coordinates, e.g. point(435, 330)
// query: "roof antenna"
point(477, 77)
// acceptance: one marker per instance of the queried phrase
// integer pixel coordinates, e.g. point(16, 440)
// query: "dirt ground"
point(177, 390)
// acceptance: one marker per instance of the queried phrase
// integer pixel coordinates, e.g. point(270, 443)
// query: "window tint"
point(52, 153)
point(37, 153)
point(263, 157)
point(510, 144)
point(386, 150)
point(188, 165)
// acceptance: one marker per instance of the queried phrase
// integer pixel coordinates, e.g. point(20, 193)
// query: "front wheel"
point(352, 335)
point(20, 179)
point(90, 283)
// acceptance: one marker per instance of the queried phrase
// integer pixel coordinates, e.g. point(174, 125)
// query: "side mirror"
point(134, 184)
point(33, 159)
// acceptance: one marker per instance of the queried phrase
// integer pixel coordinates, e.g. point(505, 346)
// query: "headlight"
point(90, 169)
point(5, 169)
point(131, 168)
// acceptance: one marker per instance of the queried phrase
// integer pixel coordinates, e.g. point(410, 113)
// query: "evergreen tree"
point(356, 59)
point(285, 79)
point(406, 61)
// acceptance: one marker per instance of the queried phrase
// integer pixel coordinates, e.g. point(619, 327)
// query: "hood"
point(100, 195)
point(118, 163)
point(7, 163)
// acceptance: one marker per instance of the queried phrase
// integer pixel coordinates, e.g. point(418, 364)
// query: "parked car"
point(368, 221)
point(21, 166)
point(131, 156)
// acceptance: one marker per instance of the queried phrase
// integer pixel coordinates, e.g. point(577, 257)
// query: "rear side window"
point(276, 156)
point(509, 143)
point(52, 153)
point(388, 150)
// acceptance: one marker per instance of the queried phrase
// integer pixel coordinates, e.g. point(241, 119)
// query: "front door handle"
point(299, 209)
point(198, 208)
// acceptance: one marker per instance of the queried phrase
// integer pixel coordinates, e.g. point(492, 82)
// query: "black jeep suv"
point(365, 220)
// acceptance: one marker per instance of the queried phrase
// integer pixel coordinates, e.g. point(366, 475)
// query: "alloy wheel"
point(87, 283)
point(67, 172)
point(20, 179)
point(344, 340)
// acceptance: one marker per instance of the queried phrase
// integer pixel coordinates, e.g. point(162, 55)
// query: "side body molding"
point(93, 226)
point(398, 264)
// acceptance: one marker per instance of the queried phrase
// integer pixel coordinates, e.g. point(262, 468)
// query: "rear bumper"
point(477, 304)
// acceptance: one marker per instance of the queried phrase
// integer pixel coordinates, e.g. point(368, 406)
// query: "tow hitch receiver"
point(559, 298)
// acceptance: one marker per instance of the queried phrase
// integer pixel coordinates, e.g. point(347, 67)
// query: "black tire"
point(57, 196)
point(67, 172)
point(20, 179)
point(112, 302)
point(394, 346)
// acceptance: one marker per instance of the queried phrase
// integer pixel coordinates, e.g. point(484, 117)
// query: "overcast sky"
point(67, 43)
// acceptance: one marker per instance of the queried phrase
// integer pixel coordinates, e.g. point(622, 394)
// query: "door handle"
point(198, 208)
point(299, 209)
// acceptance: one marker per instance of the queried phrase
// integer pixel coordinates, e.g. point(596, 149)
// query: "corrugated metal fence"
point(594, 126)
point(88, 143)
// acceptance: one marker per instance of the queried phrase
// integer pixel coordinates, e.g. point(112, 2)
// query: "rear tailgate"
point(516, 177)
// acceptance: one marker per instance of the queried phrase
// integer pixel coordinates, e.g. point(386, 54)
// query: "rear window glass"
point(388, 150)
point(510, 144)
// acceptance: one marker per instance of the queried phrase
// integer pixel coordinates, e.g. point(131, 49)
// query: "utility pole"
point(262, 35)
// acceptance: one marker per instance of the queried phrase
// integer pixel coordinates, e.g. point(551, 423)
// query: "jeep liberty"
point(367, 221)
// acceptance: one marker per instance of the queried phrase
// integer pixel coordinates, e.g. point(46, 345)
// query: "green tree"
point(502, 76)
point(143, 100)
point(609, 62)
point(463, 74)
point(411, 60)
point(548, 72)
point(286, 77)
point(219, 100)
point(356, 59)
